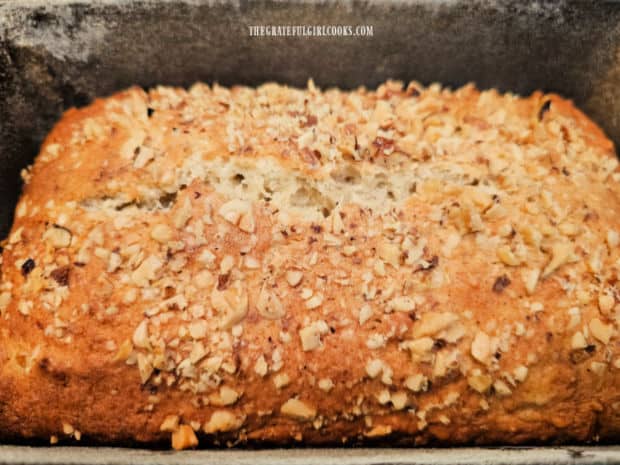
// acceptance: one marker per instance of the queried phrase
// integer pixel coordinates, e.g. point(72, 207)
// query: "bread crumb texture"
point(408, 265)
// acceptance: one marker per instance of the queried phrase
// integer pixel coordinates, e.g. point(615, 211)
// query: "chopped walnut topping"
point(326, 384)
point(207, 258)
point(226, 396)
point(183, 214)
point(452, 241)
point(226, 265)
point(561, 253)
point(600, 330)
point(281, 380)
point(433, 323)
point(595, 261)
point(399, 400)
point(114, 262)
point(162, 233)
point(102, 253)
point(365, 314)
point(184, 438)
point(421, 349)
point(383, 397)
point(198, 329)
point(145, 155)
point(578, 341)
point(314, 302)
point(569, 229)
point(598, 368)
point(479, 382)
point(16, 236)
point(239, 213)
point(145, 367)
point(389, 253)
point(311, 335)
point(379, 268)
point(204, 279)
point(520, 373)
point(376, 341)
point(231, 304)
point(501, 388)
point(402, 304)
point(349, 250)
point(507, 256)
point(67, 428)
point(223, 421)
point(378, 431)
point(531, 236)
point(198, 352)
point(5, 300)
point(298, 410)
point(141, 336)
point(147, 271)
point(606, 303)
point(269, 305)
point(417, 383)
point(83, 256)
point(536, 307)
point(445, 362)
point(260, 367)
point(481, 348)
point(530, 278)
point(169, 276)
point(24, 307)
point(170, 423)
point(247, 224)
point(294, 277)
point(124, 351)
point(374, 367)
point(251, 263)
point(58, 237)
point(575, 317)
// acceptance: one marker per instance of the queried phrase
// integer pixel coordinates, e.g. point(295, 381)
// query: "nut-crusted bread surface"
point(410, 265)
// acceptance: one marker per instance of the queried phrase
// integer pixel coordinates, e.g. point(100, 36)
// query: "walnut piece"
point(58, 237)
point(170, 423)
point(311, 335)
point(298, 410)
point(184, 438)
point(222, 421)
point(269, 305)
point(231, 304)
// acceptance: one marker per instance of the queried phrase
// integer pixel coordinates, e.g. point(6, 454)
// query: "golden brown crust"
point(412, 265)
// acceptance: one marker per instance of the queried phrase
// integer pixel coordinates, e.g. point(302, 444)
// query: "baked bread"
point(408, 265)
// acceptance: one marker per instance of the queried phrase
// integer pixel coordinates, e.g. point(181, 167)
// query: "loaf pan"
point(58, 54)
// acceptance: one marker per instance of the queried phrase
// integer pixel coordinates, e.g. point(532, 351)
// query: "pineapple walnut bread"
point(409, 265)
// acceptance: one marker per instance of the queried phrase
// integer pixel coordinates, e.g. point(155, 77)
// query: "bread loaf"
point(405, 266)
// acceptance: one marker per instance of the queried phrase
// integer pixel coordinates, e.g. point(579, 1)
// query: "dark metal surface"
point(57, 54)
point(463, 456)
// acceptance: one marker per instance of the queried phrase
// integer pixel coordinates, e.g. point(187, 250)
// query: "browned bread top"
point(274, 265)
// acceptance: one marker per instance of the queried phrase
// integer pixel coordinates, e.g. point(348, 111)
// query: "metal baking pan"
point(56, 54)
